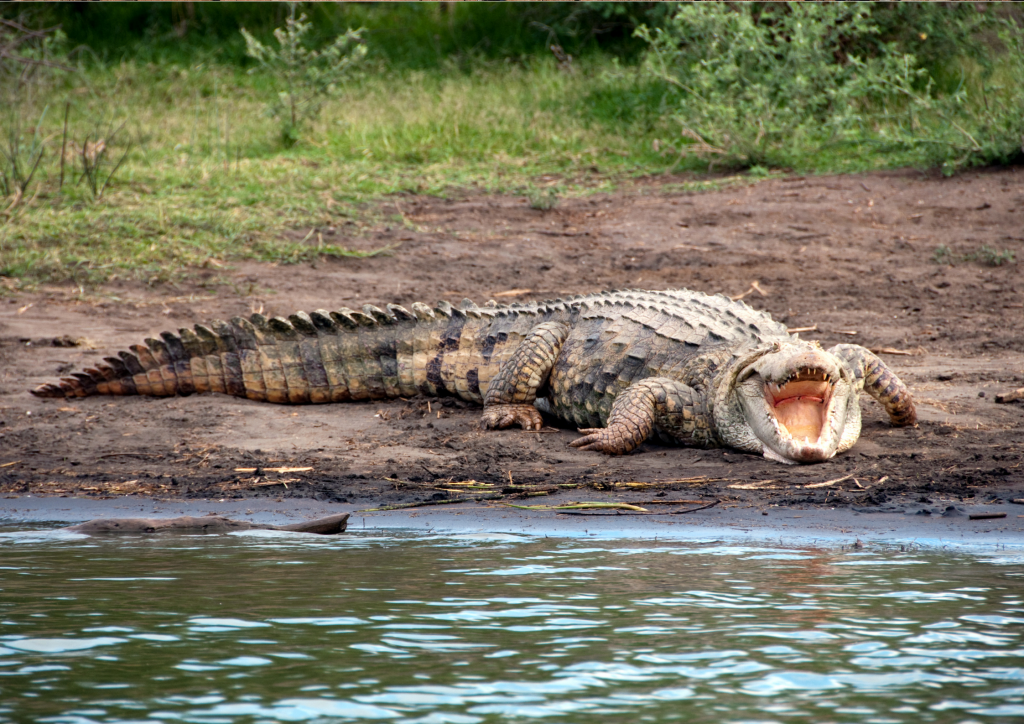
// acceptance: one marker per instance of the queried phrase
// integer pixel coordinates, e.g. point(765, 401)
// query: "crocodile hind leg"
point(671, 406)
point(510, 395)
point(873, 376)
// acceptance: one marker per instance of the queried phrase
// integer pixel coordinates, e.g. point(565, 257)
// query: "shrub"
point(542, 199)
point(764, 83)
point(309, 77)
point(943, 255)
point(992, 257)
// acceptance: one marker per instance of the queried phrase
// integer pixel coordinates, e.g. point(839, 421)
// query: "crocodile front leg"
point(873, 376)
point(510, 395)
point(673, 407)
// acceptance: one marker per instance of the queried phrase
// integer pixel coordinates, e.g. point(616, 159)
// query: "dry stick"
point(227, 144)
point(271, 482)
point(830, 482)
point(131, 455)
point(758, 485)
point(1017, 394)
point(447, 501)
point(619, 512)
point(986, 516)
point(86, 169)
point(798, 330)
point(123, 157)
point(580, 506)
point(670, 502)
point(64, 143)
point(893, 351)
point(637, 483)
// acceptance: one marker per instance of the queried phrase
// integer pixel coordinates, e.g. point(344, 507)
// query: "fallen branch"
point(798, 330)
point(1017, 394)
point(207, 524)
point(986, 516)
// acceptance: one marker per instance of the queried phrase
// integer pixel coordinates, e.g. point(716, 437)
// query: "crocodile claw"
point(497, 417)
point(604, 439)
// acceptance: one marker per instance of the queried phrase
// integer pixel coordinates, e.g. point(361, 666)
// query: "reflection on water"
point(267, 626)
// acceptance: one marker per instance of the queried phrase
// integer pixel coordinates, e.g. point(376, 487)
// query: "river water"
point(268, 627)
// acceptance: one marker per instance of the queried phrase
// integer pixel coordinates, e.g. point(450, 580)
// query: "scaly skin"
point(622, 366)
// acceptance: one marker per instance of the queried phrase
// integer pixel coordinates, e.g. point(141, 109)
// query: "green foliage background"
point(470, 95)
point(416, 36)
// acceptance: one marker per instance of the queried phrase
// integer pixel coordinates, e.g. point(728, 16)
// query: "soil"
point(901, 261)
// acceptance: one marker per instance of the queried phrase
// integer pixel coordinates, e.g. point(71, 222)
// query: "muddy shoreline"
point(902, 261)
point(820, 527)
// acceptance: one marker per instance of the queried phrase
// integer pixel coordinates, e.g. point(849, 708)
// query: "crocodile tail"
point(880, 382)
point(306, 358)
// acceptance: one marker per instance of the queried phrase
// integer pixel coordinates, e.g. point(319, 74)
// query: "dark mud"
point(898, 261)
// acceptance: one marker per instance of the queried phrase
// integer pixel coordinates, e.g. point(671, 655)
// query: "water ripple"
point(473, 629)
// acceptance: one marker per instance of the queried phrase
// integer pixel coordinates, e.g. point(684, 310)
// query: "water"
point(268, 627)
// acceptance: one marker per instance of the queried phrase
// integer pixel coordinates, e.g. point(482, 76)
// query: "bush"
point(310, 77)
point(766, 84)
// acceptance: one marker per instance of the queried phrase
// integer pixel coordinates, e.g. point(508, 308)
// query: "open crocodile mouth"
point(800, 404)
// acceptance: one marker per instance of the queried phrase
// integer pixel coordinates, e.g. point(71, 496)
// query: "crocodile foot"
point(500, 416)
point(611, 440)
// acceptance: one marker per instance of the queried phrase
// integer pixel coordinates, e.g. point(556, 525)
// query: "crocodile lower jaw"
point(801, 453)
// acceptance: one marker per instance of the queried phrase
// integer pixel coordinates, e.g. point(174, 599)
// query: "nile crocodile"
point(691, 368)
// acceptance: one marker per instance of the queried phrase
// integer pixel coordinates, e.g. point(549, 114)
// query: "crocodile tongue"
point(800, 407)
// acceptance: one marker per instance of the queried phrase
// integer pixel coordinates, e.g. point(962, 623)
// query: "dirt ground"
point(904, 261)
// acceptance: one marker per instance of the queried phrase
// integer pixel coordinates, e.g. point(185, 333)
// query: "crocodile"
point(623, 366)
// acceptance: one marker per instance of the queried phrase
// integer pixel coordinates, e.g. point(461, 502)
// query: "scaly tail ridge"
point(307, 358)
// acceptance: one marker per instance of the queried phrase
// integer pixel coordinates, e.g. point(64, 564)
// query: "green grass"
point(207, 181)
